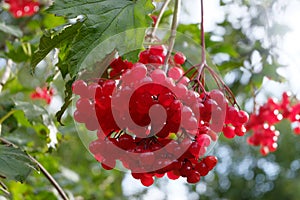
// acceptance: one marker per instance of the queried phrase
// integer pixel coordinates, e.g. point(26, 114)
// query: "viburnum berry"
point(210, 162)
point(79, 87)
point(179, 58)
point(229, 131)
point(173, 175)
point(193, 176)
point(147, 181)
point(242, 117)
point(175, 73)
point(202, 168)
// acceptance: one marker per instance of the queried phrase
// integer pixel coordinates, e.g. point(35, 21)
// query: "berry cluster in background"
point(43, 93)
point(22, 8)
point(154, 120)
point(262, 124)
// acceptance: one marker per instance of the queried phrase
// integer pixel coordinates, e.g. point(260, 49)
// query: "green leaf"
point(35, 115)
point(12, 30)
point(225, 48)
point(49, 41)
point(192, 30)
point(104, 19)
point(18, 51)
point(14, 163)
point(31, 111)
point(51, 21)
point(67, 101)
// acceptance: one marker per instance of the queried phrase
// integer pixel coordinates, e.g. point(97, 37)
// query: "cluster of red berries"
point(153, 121)
point(264, 133)
point(235, 122)
point(43, 93)
point(21, 8)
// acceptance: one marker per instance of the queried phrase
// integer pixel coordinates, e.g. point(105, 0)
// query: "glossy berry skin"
point(210, 162)
point(79, 87)
point(228, 131)
point(175, 73)
point(179, 58)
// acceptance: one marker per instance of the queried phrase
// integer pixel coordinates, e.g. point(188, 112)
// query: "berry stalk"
point(203, 51)
point(173, 33)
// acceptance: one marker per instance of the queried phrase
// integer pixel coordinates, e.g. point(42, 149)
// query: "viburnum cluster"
point(264, 133)
point(22, 8)
point(154, 120)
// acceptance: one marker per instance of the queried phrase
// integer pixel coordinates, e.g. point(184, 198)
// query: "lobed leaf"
point(104, 19)
point(49, 42)
point(14, 163)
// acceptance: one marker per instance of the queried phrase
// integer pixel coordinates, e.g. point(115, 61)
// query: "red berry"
point(185, 168)
point(210, 162)
point(228, 132)
point(193, 176)
point(147, 181)
point(242, 117)
point(179, 58)
point(202, 168)
point(79, 87)
point(157, 50)
point(240, 130)
point(107, 167)
point(155, 59)
point(173, 176)
point(84, 106)
point(143, 57)
point(175, 73)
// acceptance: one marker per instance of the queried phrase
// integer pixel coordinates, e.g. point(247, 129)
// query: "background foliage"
point(28, 47)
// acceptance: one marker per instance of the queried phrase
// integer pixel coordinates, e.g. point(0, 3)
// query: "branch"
point(6, 74)
point(43, 170)
point(173, 33)
point(50, 179)
point(203, 52)
point(3, 188)
point(161, 12)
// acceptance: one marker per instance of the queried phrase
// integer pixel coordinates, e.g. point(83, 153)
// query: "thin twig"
point(43, 170)
point(203, 51)
point(5, 192)
point(2, 176)
point(3, 185)
point(5, 75)
point(203, 55)
point(173, 33)
point(3, 188)
point(50, 179)
point(161, 12)
point(4, 141)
